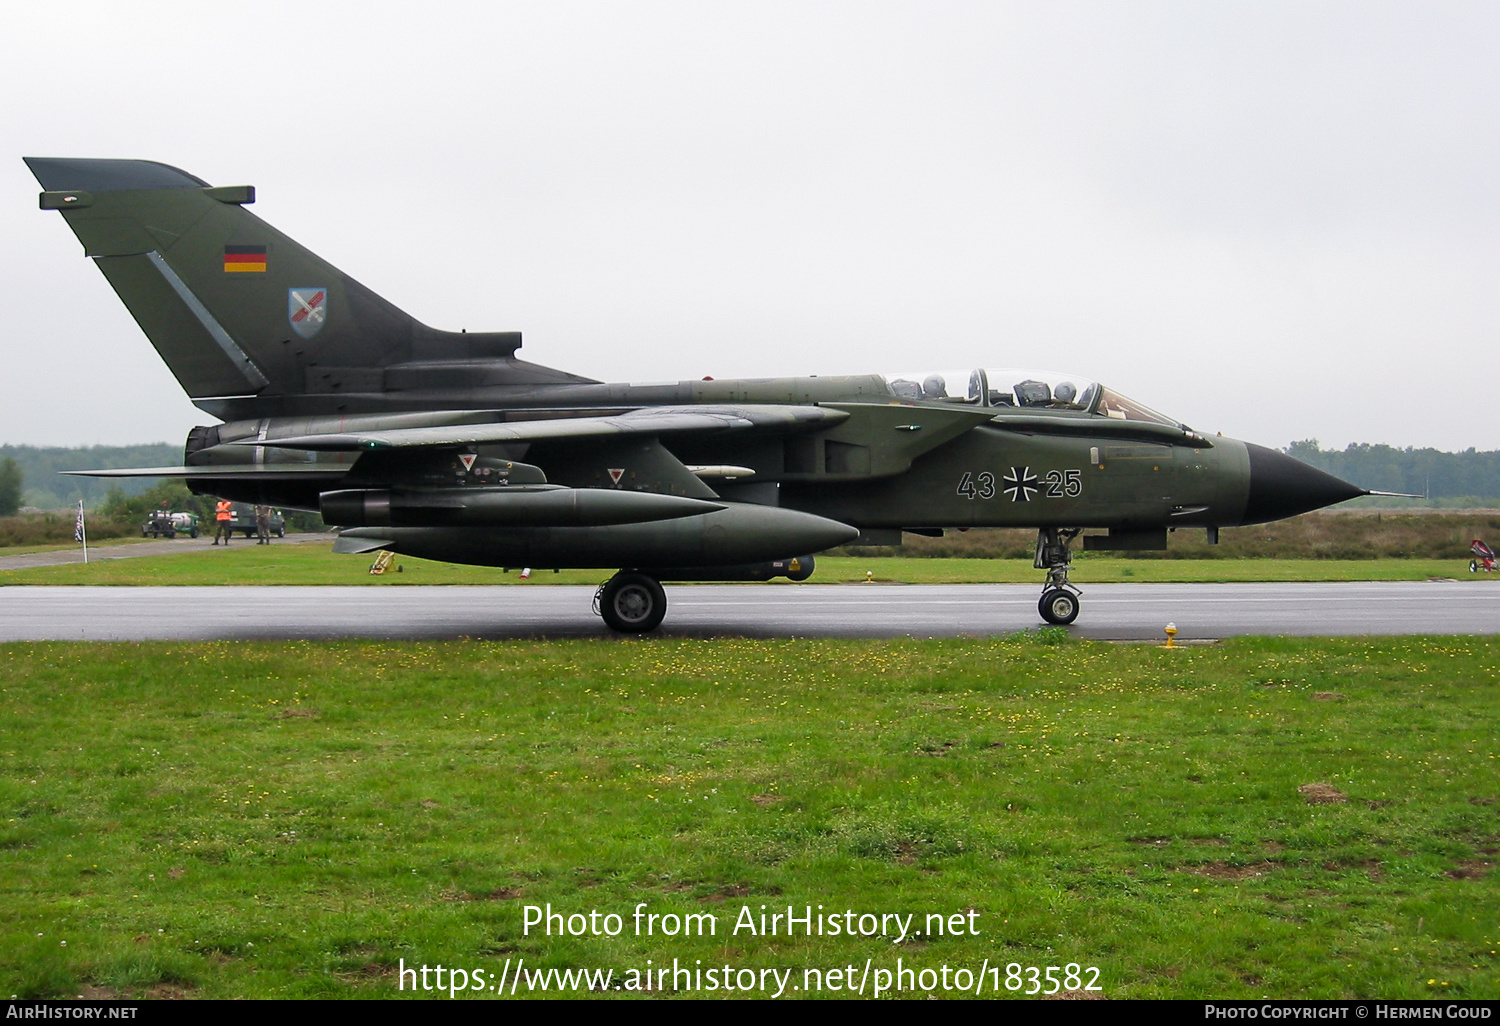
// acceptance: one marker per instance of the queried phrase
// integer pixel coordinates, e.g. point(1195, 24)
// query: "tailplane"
point(237, 309)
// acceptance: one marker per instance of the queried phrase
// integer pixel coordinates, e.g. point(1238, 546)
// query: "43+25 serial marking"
point(1019, 484)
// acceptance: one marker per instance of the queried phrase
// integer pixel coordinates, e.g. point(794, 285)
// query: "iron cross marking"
point(1020, 484)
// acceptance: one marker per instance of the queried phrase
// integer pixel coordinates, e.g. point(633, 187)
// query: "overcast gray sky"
point(1274, 220)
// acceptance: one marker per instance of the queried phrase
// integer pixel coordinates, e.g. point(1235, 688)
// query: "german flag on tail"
point(244, 258)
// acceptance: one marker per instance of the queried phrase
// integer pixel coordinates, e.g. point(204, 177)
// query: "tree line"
point(1469, 478)
point(11, 481)
point(45, 487)
point(29, 476)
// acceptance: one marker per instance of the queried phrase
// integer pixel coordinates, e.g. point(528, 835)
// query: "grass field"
point(297, 819)
point(314, 563)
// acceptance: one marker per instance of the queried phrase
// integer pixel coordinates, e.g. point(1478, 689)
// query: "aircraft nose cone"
point(1281, 487)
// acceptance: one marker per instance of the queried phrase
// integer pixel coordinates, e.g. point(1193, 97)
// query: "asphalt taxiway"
point(134, 549)
point(1120, 612)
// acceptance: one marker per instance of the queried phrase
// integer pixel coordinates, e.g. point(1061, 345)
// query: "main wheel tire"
point(633, 603)
point(1058, 606)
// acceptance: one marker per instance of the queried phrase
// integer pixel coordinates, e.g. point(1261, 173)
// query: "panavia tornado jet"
point(444, 445)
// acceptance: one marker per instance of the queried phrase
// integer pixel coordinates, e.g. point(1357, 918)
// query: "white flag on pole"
point(80, 533)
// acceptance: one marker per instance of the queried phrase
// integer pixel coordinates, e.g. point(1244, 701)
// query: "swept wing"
point(655, 421)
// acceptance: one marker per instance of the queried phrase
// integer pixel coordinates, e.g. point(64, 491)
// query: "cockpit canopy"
point(1032, 389)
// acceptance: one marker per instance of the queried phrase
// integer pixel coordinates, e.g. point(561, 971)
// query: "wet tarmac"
point(1109, 611)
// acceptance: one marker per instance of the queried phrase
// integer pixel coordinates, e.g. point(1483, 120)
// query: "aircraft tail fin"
point(238, 309)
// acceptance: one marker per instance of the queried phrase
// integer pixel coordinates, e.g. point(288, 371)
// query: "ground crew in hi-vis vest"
point(223, 515)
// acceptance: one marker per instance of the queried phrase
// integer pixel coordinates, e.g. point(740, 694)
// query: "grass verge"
point(298, 819)
point(313, 563)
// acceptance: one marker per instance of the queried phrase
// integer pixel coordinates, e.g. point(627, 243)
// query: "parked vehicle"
point(163, 523)
point(185, 523)
point(159, 525)
point(242, 521)
point(1484, 558)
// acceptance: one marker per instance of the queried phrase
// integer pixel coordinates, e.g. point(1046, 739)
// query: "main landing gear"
point(631, 602)
point(1059, 602)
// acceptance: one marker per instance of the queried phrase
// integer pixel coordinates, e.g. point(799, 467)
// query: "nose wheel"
point(1059, 601)
point(631, 602)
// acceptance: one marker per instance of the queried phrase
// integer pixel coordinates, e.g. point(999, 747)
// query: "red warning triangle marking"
point(615, 473)
point(467, 459)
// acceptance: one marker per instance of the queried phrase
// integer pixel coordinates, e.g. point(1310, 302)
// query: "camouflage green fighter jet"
point(444, 445)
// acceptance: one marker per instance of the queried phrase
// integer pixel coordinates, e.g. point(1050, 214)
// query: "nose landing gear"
point(1059, 601)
